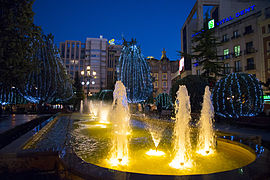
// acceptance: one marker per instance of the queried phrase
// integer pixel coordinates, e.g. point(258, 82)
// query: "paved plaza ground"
point(9, 121)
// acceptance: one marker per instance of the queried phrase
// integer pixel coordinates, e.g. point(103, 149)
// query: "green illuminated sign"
point(211, 24)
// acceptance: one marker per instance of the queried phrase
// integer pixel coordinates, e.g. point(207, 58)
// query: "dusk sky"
point(156, 24)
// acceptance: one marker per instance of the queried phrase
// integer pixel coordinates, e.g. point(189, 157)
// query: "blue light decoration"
point(165, 100)
point(49, 81)
point(134, 72)
point(238, 94)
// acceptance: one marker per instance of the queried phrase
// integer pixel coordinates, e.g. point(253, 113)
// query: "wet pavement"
point(8, 122)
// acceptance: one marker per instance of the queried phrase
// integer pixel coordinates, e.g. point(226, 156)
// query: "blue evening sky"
point(156, 24)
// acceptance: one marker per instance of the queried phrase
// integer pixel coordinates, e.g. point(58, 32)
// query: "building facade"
point(114, 52)
point(161, 71)
point(241, 27)
point(89, 59)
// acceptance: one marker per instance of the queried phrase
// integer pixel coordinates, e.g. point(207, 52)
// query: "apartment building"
point(241, 27)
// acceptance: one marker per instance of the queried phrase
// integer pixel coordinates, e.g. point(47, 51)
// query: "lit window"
point(164, 76)
point(237, 50)
point(226, 53)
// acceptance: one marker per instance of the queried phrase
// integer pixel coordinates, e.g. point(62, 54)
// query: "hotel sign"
point(212, 24)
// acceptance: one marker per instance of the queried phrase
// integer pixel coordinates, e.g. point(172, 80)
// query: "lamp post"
point(88, 76)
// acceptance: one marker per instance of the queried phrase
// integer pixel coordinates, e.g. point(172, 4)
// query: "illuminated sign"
point(150, 57)
point(181, 65)
point(115, 42)
point(212, 23)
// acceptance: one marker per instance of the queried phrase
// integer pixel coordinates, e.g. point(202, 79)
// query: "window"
point(198, 72)
point(156, 76)
point(76, 68)
point(225, 38)
point(67, 61)
point(164, 68)
point(248, 30)
point(237, 50)
point(71, 68)
point(268, 47)
point(164, 84)
point(156, 84)
point(227, 69)
point(268, 28)
point(81, 68)
point(263, 30)
point(67, 66)
point(237, 66)
point(267, 12)
point(249, 47)
point(235, 34)
point(268, 69)
point(226, 53)
point(250, 64)
point(164, 76)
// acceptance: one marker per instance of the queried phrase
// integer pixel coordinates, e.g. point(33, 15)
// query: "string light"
point(239, 94)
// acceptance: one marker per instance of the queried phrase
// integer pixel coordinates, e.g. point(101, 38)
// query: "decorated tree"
point(48, 81)
point(134, 72)
point(19, 36)
point(195, 86)
point(238, 94)
point(164, 101)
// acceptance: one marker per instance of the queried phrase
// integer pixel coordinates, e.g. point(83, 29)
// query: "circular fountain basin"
point(91, 141)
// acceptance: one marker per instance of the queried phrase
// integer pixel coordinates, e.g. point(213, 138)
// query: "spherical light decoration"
point(238, 94)
point(164, 100)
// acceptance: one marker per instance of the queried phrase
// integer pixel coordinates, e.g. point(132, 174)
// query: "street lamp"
point(88, 77)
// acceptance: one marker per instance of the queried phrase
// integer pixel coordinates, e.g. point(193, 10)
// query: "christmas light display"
point(134, 72)
point(238, 94)
point(49, 81)
point(165, 100)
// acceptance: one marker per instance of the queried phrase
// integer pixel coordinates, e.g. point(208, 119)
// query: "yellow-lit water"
point(92, 143)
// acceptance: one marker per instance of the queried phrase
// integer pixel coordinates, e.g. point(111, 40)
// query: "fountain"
point(181, 133)
point(112, 146)
point(206, 141)
point(81, 107)
point(156, 133)
point(120, 129)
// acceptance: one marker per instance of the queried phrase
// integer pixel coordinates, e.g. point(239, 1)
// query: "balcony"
point(248, 32)
point(234, 55)
point(250, 67)
point(250, 50)
point(225, 57)
point(235, 37)
point(225, 40)
point(238, 69)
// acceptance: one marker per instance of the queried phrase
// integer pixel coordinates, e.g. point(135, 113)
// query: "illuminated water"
point(92, 142)
point(181, 135)
point(111, 140)
point(120, 127)
point(206, 138)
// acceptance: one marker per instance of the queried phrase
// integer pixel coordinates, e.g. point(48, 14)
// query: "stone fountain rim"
point(87, 170)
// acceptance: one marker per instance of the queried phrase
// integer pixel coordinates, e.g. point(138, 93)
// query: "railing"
point(250, 50)
point(248, 32)
point(234, 55)
point(225, 40)
point(235, 37)
point(250, 67)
